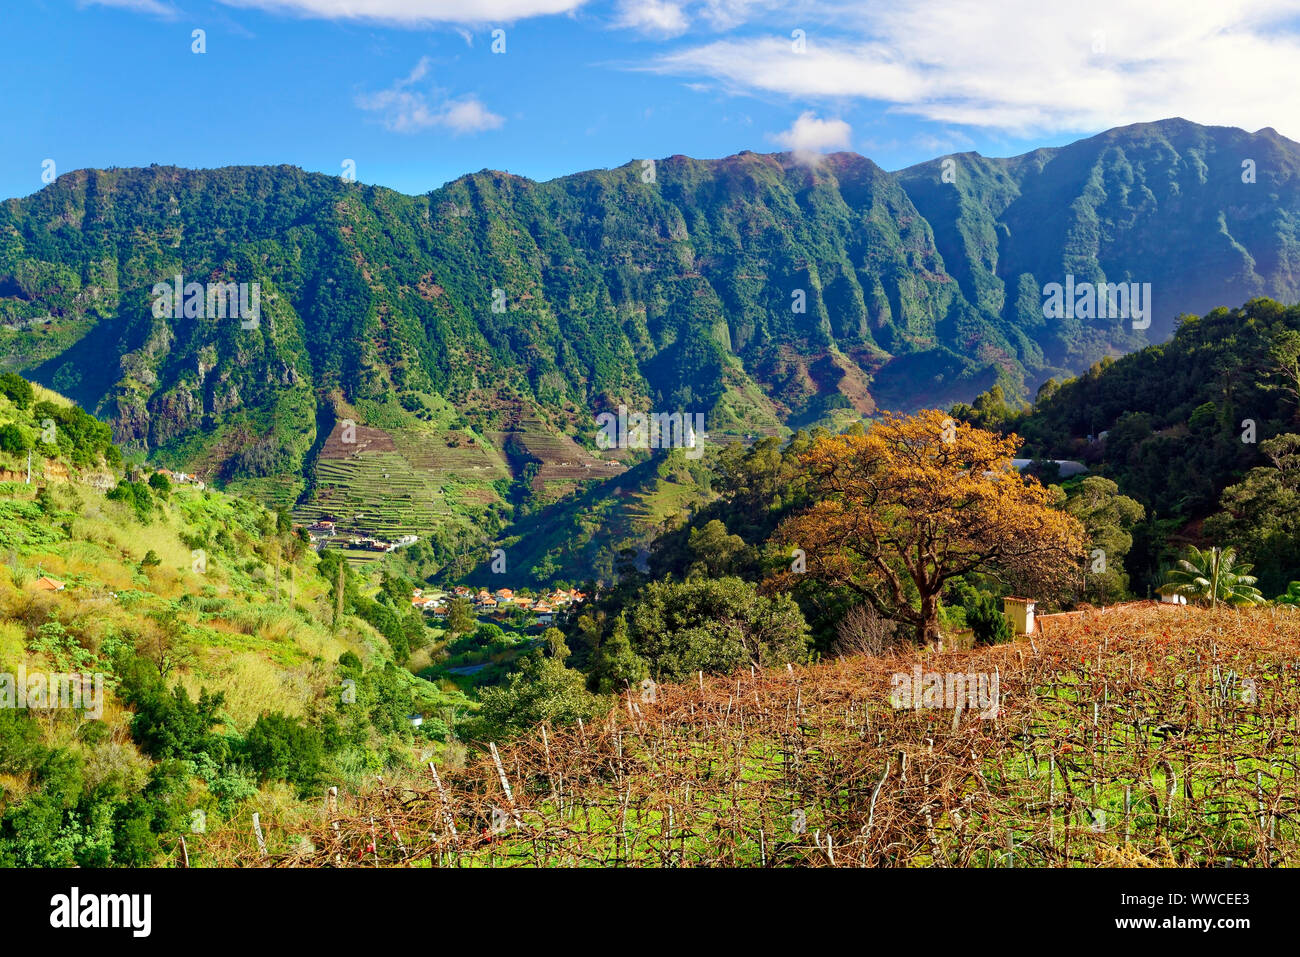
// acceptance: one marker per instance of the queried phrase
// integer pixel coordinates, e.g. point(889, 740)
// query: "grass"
point(234, 636)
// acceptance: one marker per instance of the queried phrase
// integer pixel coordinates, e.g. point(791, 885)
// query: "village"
point(524, 607)
point(182, 478)
point(326, 532)
point(541, 608)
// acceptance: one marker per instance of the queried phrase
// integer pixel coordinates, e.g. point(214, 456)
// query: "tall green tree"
point(1261, 514)
point(1108, 520)
point(460, 617)
point(616, 664)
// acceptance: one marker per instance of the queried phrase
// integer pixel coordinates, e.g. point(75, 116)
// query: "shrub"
point(986, 619)
point(170, 725)
point(280, 748)
point(12, 440)
point(16, 388)
point(863, 631)
point(714, 625)
point(135, 494)
point(543, 689)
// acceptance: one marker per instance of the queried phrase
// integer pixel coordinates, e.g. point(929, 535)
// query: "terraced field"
point(402, 482)
point(377, 493)
point(455, 455)
point(562, 458)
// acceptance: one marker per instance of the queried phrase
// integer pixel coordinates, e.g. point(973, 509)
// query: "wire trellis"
point(1142, 736)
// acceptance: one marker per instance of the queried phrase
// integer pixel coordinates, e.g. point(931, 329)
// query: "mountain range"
point(766, 291)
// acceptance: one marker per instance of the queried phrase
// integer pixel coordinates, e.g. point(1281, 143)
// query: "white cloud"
point(809, 137)
point(653, 16)
point(1024, 67)
point(468, 115)
point(726, 14)
point(419, 72)
point(414, 12)
point(667, 18)
point(139, 6)
point(406, 109)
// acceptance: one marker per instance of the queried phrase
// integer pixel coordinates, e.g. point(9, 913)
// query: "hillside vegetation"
point(230, 678)
point(1139, 737)
point(1203, 431)
point(758, 290)
point(723, 705)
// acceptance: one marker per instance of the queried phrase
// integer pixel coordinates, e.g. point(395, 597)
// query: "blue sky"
point(412, 91)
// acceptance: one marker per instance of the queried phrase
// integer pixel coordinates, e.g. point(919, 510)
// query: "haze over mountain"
point(673, 286)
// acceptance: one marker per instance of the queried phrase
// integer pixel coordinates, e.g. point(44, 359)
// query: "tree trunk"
point(927, 628)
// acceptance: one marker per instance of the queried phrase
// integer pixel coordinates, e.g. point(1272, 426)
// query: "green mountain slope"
point(1165, 203)
point(227, 679)
point(1204, 426)
point(760, 291)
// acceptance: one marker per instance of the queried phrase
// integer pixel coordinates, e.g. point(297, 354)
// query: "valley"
point(497, 438)
point(764, 294)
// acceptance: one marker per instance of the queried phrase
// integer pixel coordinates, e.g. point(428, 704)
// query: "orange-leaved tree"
point(916, 501)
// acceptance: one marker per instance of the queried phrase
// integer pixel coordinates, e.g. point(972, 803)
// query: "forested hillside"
point(756, 289)
point(1203, 430)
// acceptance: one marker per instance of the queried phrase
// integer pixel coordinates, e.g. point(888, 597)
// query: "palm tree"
point(1213, 576)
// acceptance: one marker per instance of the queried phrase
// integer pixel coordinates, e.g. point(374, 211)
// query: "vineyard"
point(1137, 737)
